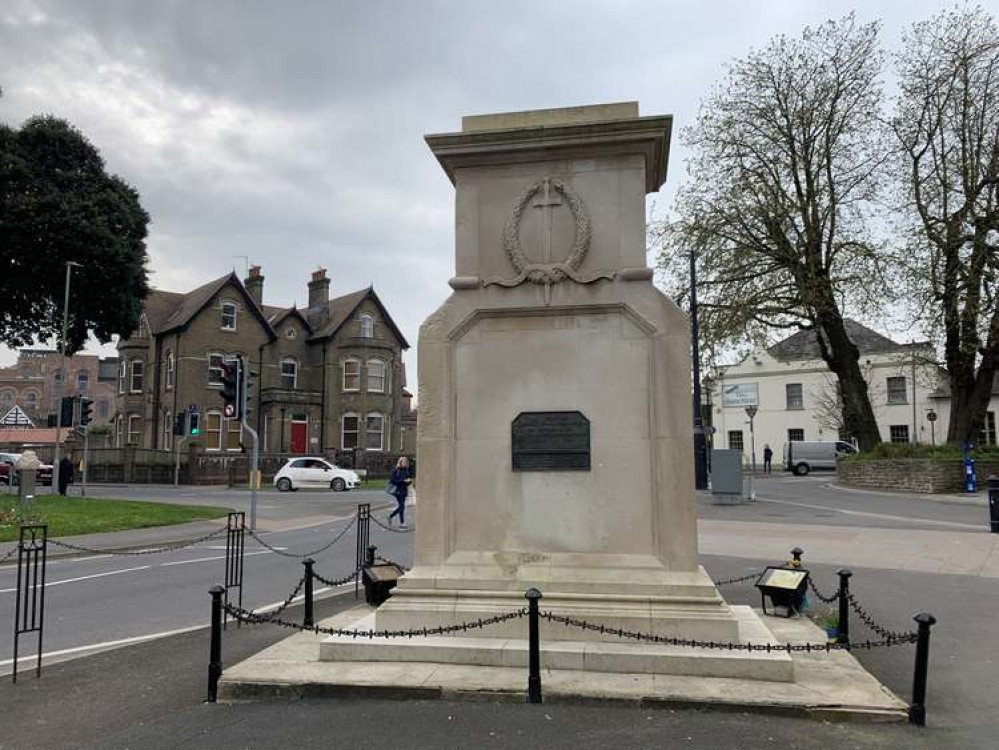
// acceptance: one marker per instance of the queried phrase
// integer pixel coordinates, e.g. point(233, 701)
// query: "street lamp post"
point(700, 444)
point(61, 382)
point(751, 413)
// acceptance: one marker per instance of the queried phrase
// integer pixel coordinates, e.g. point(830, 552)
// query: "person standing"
point(400, 480)
point(66, 474)
point(768, 457)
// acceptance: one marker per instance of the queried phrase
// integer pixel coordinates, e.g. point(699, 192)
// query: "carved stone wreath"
point(547, 273)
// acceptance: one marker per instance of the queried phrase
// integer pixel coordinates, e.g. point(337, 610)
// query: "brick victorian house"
point(326, 379)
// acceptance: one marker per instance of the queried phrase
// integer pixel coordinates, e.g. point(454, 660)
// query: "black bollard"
point(796, 554)
point(844, 605)
point(369, 556)
point(307, 620)
point(215, 647)
point(994, 503)
point(917, 711)
point(533, 647)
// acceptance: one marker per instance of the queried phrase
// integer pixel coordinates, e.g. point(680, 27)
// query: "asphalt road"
point(98, 601)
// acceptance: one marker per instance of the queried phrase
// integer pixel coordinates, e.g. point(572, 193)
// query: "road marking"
point(216, 557)
point(86, 578)
point(884, 516)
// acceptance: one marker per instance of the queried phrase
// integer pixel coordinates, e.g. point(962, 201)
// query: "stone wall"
point(920, 475)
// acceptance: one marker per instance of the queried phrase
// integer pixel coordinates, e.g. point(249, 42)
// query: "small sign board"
point(785, 587)
point(551, 441)
point(782, 578)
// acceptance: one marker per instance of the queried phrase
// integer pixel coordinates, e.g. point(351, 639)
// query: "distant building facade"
point(327, 378)
point(32, 384)
point(797, 396)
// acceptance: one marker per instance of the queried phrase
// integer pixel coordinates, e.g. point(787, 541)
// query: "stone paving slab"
point(826, 686)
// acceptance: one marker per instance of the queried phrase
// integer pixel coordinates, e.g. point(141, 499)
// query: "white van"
point(801, 456)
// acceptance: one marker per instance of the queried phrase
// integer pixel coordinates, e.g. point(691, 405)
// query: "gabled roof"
point(277, 315)
point(805, 344)
point(342, 308)
point(173, 311)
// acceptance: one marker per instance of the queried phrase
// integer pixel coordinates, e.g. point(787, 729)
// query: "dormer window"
point(367, 327)
point(291, 333)
point(228, 315)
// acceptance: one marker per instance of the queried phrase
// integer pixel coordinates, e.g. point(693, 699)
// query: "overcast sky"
point(292, 132)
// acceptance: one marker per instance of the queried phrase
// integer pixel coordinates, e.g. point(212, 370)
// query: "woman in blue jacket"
point(400, 481)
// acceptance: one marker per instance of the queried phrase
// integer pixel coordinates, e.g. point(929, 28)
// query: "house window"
point(989, 429)
point(349, 432)
point(896, 392)
point(291, 333)
point(374, 430)
point(795, 398)
point(899, 432)
point(7, 398)
point(169, 370)
point(795, 435)
point(735, 440)
point(228, 315)
point(233, 430)
point(137, 366)
point(352, 375)
point(103, 408)
point(117, 431)
point(289, 373)
point(133, 429)
point(167, 430)
point(213, 431)
point(31, 400)
point(367, 327)
point(82, 381)
point(215, 361)
point(376, 376)
point(58, 377)
point(121, 377)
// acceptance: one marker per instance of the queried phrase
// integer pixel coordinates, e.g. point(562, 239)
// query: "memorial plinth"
point(554, 442)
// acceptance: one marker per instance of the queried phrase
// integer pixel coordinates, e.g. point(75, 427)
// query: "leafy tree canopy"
point(58, 204)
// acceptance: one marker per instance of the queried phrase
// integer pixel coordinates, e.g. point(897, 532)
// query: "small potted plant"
point(829, 622)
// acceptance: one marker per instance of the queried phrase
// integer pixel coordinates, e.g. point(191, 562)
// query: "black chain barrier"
point(740, 579)
point(726, 646)
point(868, 620)
point(389, 561)
point(313, 553)
point(820, 595)
point(272, 614)
point(137, 553)
point(336, 582)
point(254, 619)
point(393, 529)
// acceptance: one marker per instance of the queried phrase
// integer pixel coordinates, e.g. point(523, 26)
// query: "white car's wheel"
point(338, 485)
point(283, 484)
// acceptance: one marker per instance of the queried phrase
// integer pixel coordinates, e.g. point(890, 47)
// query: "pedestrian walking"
point(66, 474)
point(768, 457)
point(400, 481)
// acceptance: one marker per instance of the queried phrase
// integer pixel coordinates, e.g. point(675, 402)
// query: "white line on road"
point(216, 557)
point(907, 519)
point(85, 578)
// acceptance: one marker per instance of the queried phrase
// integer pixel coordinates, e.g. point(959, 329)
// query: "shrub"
point(945, 452)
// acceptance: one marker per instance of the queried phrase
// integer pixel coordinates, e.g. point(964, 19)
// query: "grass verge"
point(66, 516)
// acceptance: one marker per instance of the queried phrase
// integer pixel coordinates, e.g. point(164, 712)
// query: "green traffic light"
point(195, 431)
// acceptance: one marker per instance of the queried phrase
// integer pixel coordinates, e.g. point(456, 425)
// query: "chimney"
point(254, 284)
point(319, 297)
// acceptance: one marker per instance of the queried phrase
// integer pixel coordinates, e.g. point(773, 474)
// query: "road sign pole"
point(86, 459)
point(255, 451)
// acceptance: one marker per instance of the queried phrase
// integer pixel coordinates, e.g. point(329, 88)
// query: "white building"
point(796, 394)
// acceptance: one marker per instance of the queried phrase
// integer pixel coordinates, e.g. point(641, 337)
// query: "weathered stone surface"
point(919, 475)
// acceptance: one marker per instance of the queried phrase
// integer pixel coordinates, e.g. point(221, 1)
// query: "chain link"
point(388, 561)
point(826, 599)
point(313, 553)
point(868, 620)
point(253, 619)
point(288, 600)
point(136, 553)
point(334, 583)
point(391, 528)
point(727, 581)
point(902, 638)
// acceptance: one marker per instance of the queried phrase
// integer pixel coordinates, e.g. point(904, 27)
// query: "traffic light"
point(232, 376)
point(179, 424)
point(66, 411)
point(195, 423)
point(86, 410)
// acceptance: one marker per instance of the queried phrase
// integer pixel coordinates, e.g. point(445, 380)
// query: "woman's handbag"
point(389, 488)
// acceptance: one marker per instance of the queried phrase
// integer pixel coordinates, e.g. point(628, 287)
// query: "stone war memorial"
point(555, 451)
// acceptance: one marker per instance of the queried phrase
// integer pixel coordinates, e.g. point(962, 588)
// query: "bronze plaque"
point(551, 441)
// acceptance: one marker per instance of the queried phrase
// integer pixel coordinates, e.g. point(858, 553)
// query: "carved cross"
point(546, 199)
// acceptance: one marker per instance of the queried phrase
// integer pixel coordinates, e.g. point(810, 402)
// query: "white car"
point(316, 473)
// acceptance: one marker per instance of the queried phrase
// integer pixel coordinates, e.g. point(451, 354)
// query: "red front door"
point(299, 430)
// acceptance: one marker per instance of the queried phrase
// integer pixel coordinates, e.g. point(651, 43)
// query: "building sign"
point(551, 441)
point(740, 394)
point(16, 418)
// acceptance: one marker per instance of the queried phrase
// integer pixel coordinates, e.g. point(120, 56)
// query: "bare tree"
point(787, 158)
point(947, 123)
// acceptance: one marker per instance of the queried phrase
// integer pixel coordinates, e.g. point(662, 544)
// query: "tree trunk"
point(970, 393)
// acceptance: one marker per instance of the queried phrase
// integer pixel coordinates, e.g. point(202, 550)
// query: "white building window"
point(735, 440)
point(795, 434)
point(167, 430)
point(7, 398)
point(348, 432)
point(233, 430)
point(989, 429)
point(289, 373)
point(213, 431)
point(133, 429)
point(169, 370)
point(795, 397)
point(82, 381)
point(351, 375)
point(137, 368)
point(374, 432)
point(376, 376)
point(215, 360)
point(228, 308)
point(122, 376)
point(899, 432)
point(367, 327)
point(896, 393)
point(117, 431)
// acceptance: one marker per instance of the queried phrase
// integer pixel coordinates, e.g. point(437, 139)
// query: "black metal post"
point(917, 711)
point(700, 444)
point(308, 620)
point(235, 548)
point(533, 647)
point(29, 596)
point(215, 647)
point(363, 531)
point(844, 605)
point(369, 555)
point(796, 554)
point(994, 503)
